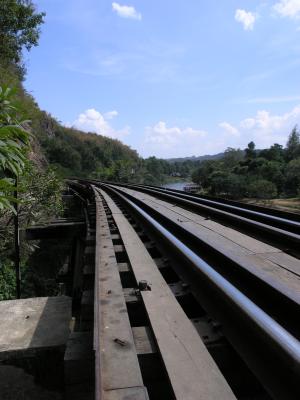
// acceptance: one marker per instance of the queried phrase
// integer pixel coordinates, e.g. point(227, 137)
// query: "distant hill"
point(194, 158)
point(217, 156)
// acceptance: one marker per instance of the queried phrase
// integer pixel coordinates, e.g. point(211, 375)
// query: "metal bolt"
point(143, 285)
point(185, 285)
point(120, 342)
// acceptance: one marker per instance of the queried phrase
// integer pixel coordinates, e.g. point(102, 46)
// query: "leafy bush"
point(292, 173)
point(7, 281)
point(39, 198)
point(228, 185)
point(262, 189)
point(14, 143)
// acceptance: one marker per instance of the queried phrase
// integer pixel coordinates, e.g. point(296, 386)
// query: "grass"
point(292, 204)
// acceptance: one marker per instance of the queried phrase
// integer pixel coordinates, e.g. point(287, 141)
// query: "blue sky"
point(171, 78)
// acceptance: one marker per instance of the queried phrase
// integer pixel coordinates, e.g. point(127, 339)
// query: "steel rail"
point(289, 215)
point(271, 233)
point(272, 353)
point(76, 192)
point(97, 308)
point(273, 220)
point(292, 216)
point(279, 222)
point(270, 214)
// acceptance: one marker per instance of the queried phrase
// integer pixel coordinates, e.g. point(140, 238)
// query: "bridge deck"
point(192, 372)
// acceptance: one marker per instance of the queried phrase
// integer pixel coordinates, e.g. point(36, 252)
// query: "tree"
point(274, 153)
point(255, 164)
point(227, 185)
point(273, 172)
point(232, 157)
point(154, 170)
point(292, 173)
point(262, 189)
point(250, 150)
point(60, 152)
point(19, 28)
point(293, 144)
point(202, 174)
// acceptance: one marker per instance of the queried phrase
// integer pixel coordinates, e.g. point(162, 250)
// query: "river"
point(176, 185)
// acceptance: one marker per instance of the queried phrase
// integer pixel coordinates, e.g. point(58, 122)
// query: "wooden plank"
point(280, 278)
point(191, 370)
point(130, 295)
point(117, 365)
point(123, 267)
point(116, 236)
point(231, 234)
point(118, 248)
point(135, 393)
point(143, 339)
point(285, 261)
point(258, 264)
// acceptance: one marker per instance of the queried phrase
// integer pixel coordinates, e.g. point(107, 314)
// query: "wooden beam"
point(117, 369)
point(54, 230)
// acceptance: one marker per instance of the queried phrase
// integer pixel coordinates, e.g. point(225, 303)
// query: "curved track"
point(282, 230)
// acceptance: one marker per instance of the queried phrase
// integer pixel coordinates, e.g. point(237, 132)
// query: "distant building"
point(177, 174)
point(191, 188)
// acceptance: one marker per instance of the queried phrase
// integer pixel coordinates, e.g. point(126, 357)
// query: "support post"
point(17, 244)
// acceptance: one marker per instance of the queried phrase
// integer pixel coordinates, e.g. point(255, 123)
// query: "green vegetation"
point(20, 157)
point(14, 143)
point(39, 193)
point(262, 174)
point(39, 199)
point(19, 28)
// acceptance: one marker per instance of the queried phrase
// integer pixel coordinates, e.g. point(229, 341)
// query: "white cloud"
point(93, 121)
point(230, 129)
point(163, 135)
point(266, 128)
point(267, 123)
point(111, 114)
point(165, 141)
point(126, 11)
point(247, 123)
point(246, 18)
point(288, 8)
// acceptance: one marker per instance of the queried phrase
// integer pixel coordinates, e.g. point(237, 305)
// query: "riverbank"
point(291, 205)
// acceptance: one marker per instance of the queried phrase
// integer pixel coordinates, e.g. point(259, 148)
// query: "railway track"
point(272, 226)
point(185, 307)
point(245, 206)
